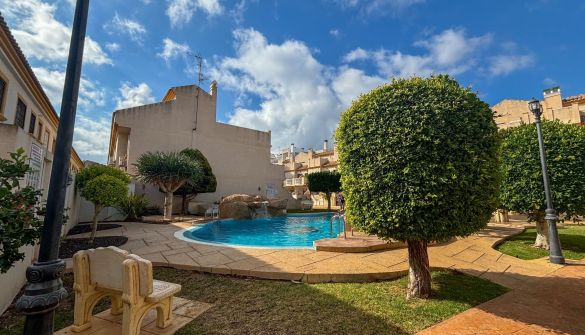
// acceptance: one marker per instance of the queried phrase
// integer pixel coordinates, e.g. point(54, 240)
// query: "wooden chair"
point(127, 279)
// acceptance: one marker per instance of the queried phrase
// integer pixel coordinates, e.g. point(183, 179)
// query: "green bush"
point(133, 207)
point(419, 163)
point(522, 185)
point(202, 183)
point(19, 210)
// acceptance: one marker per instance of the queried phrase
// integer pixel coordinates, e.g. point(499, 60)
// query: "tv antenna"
point(199, 60)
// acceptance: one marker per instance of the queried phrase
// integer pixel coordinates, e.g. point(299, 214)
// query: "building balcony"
point(292, 182)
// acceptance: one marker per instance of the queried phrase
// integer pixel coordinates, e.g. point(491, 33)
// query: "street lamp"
point(556, 255)
point(44, 289)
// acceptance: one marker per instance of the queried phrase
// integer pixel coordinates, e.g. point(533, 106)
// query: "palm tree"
point(168, 171)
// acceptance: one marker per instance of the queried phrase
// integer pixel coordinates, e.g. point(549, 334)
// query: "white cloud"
point(356, 54)
point(133, 96)
point(172, 49)
point(301, 99)
point(450, 51)
point(113, 47)
point(91, 138)
point(505, 64)
point(90, 93)
point(335, 33)
point(180, 12)
point(377, 7)
point(237, 12)
point(41, 36)
point(126, 26)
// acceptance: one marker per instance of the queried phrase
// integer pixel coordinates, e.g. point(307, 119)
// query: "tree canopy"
point(203, 183)
point(522, 185)
point(326, 182)
point(419, 162)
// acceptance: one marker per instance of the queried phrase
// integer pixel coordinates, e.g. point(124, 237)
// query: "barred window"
point(20, 114)
point(32, 124)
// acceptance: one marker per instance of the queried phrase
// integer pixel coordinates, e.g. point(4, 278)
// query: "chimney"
point(213, 90)
point(552, 99)
point(325, 142)
point(292, 152)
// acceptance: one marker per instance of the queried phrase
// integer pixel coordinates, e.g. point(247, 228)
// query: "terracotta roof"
point(24, 61)
point(575, 98)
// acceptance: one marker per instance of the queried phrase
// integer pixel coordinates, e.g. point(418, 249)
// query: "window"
point(20, 114)
point(46, 139)
point(2, 89)
point(32, 124)
point(582, 117)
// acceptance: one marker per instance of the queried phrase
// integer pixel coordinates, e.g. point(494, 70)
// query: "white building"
point(186, 118)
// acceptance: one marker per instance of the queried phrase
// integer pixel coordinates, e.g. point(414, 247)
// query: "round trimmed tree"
point(202, 183)
point(419, 163)
point(522, 186)
point(325, 182)
point(103, 186)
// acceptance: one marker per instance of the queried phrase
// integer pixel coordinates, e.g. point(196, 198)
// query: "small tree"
point(419, 163)
point(326, 182)
point(168, 171)
point(19, 209)
point(522, 186)
point(103, 186)
point(204, 183)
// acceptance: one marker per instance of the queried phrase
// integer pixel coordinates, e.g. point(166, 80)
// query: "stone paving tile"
point(213, 259)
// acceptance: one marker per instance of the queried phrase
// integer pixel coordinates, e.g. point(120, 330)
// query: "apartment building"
point(28, 121)
point(511, 113)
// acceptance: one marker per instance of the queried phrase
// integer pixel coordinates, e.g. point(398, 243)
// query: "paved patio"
point(473, 255)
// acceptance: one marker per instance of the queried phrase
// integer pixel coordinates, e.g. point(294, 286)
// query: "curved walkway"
point(473, 255)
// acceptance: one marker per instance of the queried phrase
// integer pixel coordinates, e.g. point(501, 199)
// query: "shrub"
point(419, 163)
point(19, 209)
point(326, 182)
point(203, 183)
point(133, 206)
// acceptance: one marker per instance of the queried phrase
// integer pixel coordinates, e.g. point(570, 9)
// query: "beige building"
point(28, 121)
point(511, 113)
point(298, 163)
point(186, 118)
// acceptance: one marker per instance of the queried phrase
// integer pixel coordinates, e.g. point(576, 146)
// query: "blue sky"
point(294, 66)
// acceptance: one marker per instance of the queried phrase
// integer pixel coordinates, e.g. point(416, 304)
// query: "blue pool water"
point(290, 231)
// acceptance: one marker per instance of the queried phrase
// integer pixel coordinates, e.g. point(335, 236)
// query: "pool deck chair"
point(213, 212)
point(127, 280)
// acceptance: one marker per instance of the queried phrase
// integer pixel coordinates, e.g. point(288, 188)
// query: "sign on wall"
point(271, 191)
point(33, 178)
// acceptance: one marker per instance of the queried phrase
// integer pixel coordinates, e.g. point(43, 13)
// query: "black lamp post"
point(556, 254)
point(44, 290)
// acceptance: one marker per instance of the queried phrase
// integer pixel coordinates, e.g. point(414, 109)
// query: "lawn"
point(520, 246)
point(250, 306)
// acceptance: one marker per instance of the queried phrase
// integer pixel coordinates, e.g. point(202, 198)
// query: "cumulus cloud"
point(505, 64)
point(132, 96)
point(301, 99)
point(43, 37)
point(131, 28)
point(172, 49)
point(180, 12)
point(91, 138)
point(113, 46)
point(90, 93)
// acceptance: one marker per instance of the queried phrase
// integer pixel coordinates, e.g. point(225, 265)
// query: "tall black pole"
point(556, 254)
point(44, 290)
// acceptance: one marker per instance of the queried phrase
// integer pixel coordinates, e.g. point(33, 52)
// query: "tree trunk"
point(94, 225)
point(328, 201)
point(168, 212)
point(419, 273)
point(184, 204)
point(541, 235)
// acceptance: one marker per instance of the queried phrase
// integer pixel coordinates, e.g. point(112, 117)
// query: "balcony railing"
point(300, 181)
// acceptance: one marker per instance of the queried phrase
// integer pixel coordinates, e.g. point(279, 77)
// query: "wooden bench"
point(127, 280)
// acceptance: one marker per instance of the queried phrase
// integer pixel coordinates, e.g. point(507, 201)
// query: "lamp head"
point(535, 108)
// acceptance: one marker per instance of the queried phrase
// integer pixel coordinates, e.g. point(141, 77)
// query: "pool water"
point(289, 231)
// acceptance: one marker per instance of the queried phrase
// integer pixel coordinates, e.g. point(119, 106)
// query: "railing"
point(294, 182)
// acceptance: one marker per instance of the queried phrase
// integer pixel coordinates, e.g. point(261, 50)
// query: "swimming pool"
point(289, 231)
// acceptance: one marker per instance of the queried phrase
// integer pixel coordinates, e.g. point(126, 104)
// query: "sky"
point(293, 66)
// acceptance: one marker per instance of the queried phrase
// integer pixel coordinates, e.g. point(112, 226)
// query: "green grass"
point(250, 306)
point(295, 211)
point(520, 246)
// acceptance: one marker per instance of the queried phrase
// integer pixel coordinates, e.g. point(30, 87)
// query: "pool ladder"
point(340, 219)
